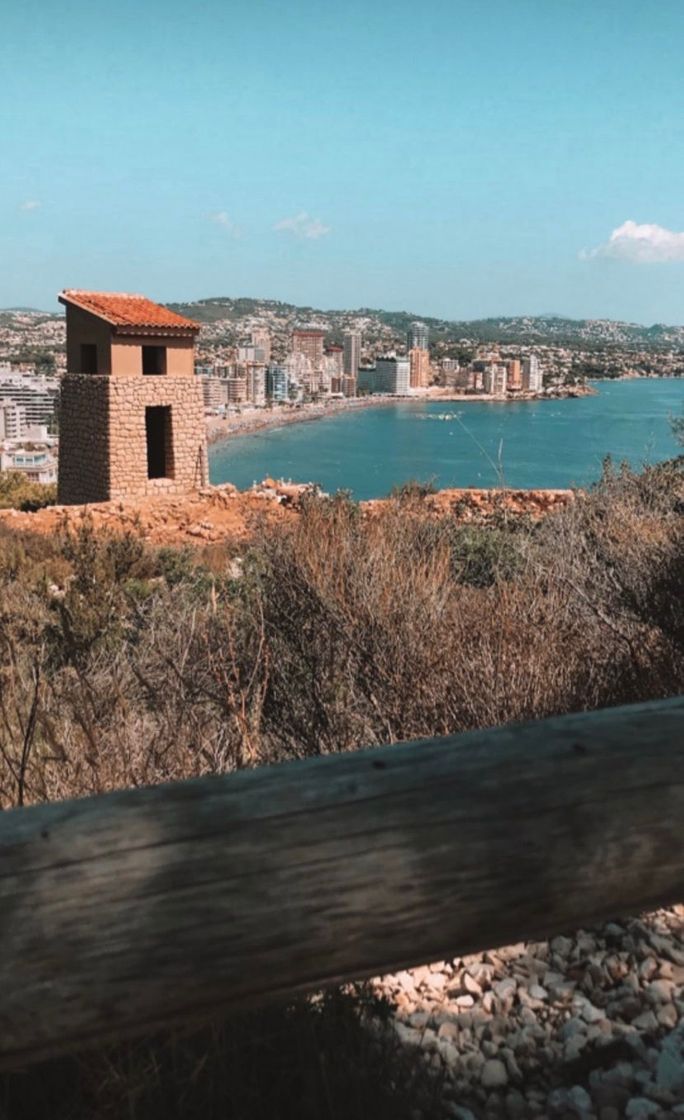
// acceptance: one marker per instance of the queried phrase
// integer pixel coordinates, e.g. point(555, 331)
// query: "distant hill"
point(539, 329)
point(25, 311)
point(225, 318)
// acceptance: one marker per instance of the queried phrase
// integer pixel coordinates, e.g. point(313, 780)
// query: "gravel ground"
point(584, 1026)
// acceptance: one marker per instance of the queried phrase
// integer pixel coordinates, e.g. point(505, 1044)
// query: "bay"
point(527, 444)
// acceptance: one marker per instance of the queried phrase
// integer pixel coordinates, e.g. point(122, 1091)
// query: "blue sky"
point(450, 158)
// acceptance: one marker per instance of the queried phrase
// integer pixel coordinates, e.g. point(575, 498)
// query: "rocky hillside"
point(25, 334)
point(540, 329)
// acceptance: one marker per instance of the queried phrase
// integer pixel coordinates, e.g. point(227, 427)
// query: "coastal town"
point(263, 363)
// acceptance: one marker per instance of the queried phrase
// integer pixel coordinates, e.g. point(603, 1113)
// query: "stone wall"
point(83, 439)
point(103, 442)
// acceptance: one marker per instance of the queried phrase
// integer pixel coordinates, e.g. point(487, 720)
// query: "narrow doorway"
point(159, 442)
point(88, 357)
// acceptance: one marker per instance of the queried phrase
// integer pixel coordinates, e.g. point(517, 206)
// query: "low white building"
point(495, 379)
point(215, 393)
point(390, 375)
point(39, 464)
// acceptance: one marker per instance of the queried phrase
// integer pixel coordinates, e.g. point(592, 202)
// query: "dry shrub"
point(124, 666)
point(18, 492)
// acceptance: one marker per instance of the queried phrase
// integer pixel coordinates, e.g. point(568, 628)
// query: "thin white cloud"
point(641, 244)
point(30, 204)
point(221, 219)
point(303, 225)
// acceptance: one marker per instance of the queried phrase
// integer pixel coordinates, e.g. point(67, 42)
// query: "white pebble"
point(494, 1074)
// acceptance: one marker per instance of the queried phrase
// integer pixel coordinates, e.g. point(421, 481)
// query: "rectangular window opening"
point(159, 442)
point(88, 357)
point(154, 360)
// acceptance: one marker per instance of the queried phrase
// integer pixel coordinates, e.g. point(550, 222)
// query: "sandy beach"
point(250, 419)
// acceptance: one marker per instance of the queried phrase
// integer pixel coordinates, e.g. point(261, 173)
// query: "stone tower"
point(131, 409)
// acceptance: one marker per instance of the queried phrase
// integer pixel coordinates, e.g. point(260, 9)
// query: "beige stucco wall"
point(83, 327)
point(127, 355)
point(103, 445)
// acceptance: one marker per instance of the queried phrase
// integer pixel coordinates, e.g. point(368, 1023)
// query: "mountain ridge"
point(227, 315)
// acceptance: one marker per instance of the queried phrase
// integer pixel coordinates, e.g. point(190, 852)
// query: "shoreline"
point(221, 429)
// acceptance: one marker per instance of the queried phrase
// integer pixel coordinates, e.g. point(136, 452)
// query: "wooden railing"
point(134, 910)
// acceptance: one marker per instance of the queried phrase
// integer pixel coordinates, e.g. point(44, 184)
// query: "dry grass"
point(121, 665)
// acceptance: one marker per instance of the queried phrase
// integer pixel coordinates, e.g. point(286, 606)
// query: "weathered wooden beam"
point(123, 913)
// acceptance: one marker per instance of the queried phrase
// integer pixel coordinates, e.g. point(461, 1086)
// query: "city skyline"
point(511, 160)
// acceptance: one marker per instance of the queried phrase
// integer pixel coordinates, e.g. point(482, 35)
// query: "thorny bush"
point(121, 665)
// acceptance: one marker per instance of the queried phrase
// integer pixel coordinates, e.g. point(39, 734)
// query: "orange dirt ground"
point(221, 512)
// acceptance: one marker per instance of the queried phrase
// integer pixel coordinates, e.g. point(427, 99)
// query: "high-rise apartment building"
point(308, 341)
point(417, 338)
point(419, 357)
point(13, 421)
point(531, 374)
point(236, 385)
point(261, 341)
point(420, 371)
point(251, 365)
point(352, 353)
point(299, 373)
point(277, 383)
point(335, 357)
point(333, 365)
point(256, 384)
point(36, 394)
point(214, 393)
point(495, 379)
point(350, 362)
point(514, 368)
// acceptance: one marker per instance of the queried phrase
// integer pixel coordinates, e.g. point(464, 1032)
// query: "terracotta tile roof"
point(126, 312)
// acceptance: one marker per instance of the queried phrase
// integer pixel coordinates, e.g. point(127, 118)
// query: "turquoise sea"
point(530, 444)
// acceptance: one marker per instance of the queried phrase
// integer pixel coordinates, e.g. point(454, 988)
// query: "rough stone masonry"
point(103, 449)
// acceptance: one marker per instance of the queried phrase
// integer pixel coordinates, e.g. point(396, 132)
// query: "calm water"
point(537, 444)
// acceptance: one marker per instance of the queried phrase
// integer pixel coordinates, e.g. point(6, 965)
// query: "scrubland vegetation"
point(18, 492)
point(124, 665)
